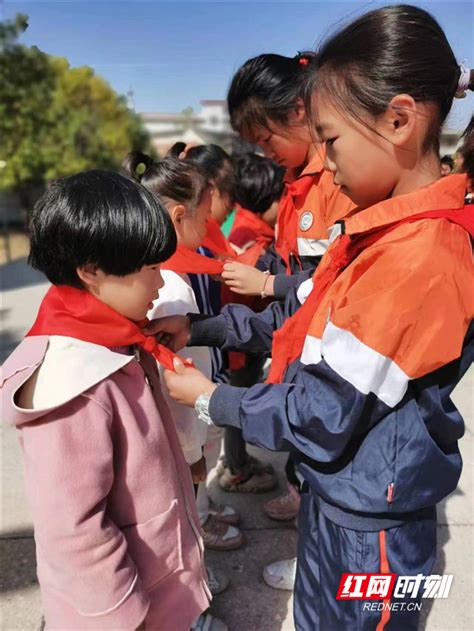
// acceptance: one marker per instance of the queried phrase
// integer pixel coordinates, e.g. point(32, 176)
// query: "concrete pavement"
point(248, 605)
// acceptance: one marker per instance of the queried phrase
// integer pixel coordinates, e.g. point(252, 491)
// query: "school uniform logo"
point(306, 221)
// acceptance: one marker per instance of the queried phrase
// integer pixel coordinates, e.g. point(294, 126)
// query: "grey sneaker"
point(207, 622)
point(217, 580)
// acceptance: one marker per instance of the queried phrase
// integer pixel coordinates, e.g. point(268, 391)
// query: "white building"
point(210, 125)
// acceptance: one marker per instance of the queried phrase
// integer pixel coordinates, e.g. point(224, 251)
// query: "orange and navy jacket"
point(314, 214)
point(366, 409)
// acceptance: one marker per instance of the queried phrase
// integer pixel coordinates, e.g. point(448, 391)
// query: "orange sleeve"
point(410, 298)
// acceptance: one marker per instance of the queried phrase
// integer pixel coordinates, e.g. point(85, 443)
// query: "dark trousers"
point(326, 551)
point(235, 452)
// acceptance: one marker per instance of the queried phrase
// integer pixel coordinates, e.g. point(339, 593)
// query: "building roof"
point(213, 102)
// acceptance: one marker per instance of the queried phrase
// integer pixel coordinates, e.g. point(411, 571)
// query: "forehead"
point(325, 113)
point(329, 118)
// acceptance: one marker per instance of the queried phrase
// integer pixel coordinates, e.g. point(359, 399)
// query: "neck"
point(426, 172)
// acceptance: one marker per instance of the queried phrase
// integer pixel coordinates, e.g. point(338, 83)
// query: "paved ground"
point(248, 605)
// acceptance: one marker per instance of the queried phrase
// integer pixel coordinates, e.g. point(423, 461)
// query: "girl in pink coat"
point(117, 535)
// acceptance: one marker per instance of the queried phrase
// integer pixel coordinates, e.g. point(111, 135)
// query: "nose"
point(159, 280)
point(329, 165)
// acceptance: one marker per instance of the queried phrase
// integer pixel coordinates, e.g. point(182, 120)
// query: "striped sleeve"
point(403, 318)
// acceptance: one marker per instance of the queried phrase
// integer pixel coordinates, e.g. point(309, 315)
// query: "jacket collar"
point(444, 194)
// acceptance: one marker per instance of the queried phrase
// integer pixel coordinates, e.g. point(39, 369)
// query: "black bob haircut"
point(99, 218)
point(259, 182)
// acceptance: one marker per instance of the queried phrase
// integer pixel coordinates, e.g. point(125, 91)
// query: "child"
point(266, 107)
point(184, 190)
point(258, 188)
point(447, 165)
point(249, 475)
point(116, 529)
point(217, 166)
point(363, 372)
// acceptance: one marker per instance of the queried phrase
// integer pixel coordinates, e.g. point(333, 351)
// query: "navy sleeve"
point(284, 282)
point(270, 261)
point(238, 328)
point(317, 416)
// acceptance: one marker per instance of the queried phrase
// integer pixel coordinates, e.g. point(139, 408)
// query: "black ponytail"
point(133, 161)
point(215, 163)
point(394, 50)
point(170, 179)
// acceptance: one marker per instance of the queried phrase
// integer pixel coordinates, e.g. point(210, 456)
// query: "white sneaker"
point(281, 574)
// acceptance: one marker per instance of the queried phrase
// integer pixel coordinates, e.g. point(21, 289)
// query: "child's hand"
point(247, 280)
point(171, 331)
point(199, 471)
point(186, 384)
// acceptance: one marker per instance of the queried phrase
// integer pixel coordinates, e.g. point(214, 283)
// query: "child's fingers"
point(230, 267)
point(228, 274)
point(179, 367)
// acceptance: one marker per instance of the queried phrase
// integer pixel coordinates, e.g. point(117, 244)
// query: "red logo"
point(366, 586)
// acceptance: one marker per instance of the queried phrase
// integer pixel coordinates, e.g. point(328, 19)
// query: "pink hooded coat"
point(117, 534)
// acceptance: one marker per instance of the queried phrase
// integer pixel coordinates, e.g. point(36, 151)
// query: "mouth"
point(150, 304)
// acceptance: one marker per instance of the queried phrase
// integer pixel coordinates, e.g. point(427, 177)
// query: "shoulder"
point(408, 296)
point(60, 370)
point(414, 253)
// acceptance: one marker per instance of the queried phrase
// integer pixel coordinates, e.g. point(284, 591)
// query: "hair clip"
point(301, 59)
point(463, 83)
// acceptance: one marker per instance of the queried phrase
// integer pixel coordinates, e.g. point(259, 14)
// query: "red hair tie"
point(303, 61)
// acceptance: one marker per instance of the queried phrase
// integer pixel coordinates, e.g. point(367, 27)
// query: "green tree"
point(93, 127)
point(56, 120)
point(26, 94)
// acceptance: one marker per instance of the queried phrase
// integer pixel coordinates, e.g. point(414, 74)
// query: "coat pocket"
point(156, 547)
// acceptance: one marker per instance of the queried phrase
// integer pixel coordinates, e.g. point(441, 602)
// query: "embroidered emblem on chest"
point(306, 221)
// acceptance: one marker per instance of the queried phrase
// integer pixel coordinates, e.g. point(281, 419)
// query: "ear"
point(89, 274)
point(400, 119)
point(298, 114)
point(177, 213)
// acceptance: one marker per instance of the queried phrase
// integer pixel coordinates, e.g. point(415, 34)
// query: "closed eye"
point(331, 141)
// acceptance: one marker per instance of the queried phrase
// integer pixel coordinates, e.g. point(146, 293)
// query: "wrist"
point(201, 405)
point(267, 287)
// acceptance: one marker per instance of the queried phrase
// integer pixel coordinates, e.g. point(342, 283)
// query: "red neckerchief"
point(249, 226)
point(185, 261)
point(76, 313)
point(289, 340)
point(286, 242)
point(220, 247)
point(216, 242)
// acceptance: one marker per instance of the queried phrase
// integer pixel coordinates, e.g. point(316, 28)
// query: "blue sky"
point(173, 54)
